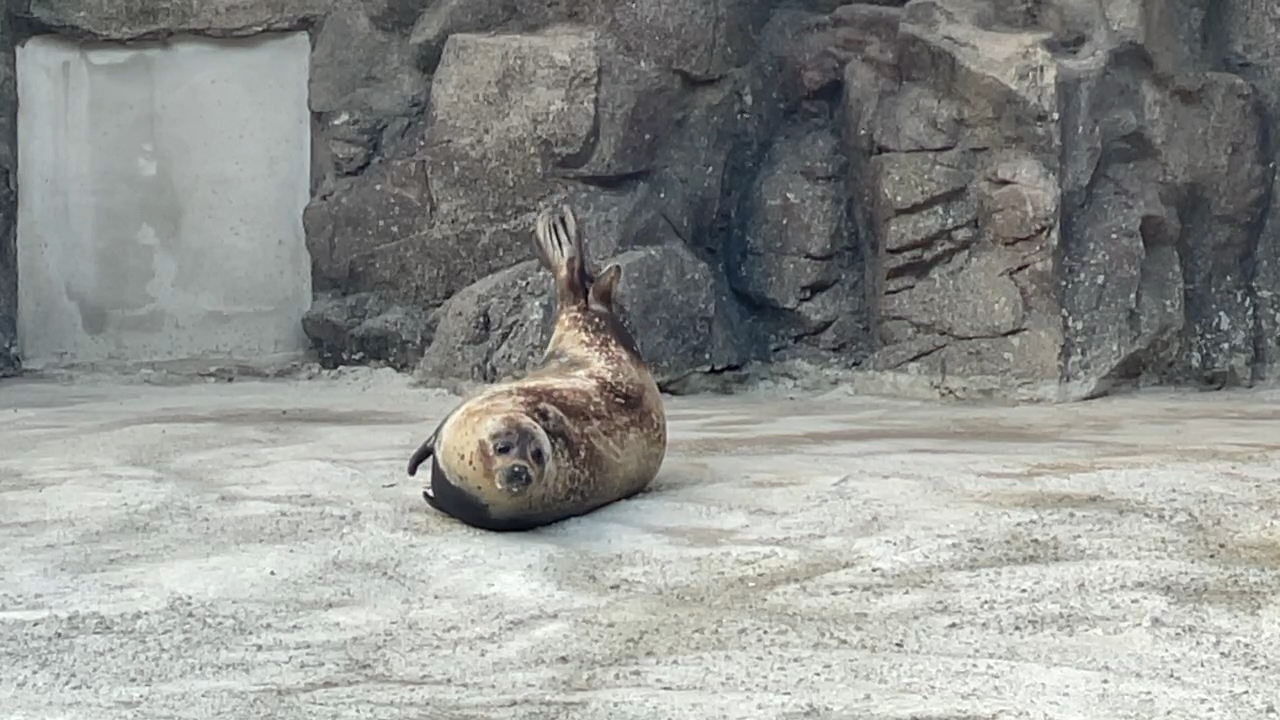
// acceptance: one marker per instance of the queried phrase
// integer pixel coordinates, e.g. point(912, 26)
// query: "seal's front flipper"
point(562, 252)
point(424, 451)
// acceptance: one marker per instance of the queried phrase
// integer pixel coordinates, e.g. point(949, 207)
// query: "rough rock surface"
point(492, 329)
point(1037, 198)
point(354, 329)
point(10, 363)
point(679, 314)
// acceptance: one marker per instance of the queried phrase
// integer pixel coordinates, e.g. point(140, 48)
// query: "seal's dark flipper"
point(562, 252)
point(425, 450)
point(447, 498)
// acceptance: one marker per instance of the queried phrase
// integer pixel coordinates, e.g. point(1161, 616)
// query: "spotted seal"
point(584, 428)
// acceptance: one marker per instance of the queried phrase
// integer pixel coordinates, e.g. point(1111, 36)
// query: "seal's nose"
point(517, 477)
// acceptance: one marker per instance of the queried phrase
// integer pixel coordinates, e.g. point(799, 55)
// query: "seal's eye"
point(502, 447)
point(537, 456)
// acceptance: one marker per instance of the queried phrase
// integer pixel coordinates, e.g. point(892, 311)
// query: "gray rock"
point(1163, 225)
point(493, 329)
point(1250, 29)
point(357, 235)
point(917, 230)
point(699, 40)
point(917, 118)
point(921, 215)
point(868, 33)
point(1001, 82)
point(364, 328)
point(1145, 231)
point(671, 302)
point(356, 67)
point(971, 297)
point(131, 19)
point(446, 17)
point(1215, 147)
point(1018, 201)
point(795, 251)
point(10, 361)
point(504, 109)
point(912, 181)
point(681, 314)
point(510, 117)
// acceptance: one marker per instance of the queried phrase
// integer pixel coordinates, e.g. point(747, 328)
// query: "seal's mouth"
point(515, 478)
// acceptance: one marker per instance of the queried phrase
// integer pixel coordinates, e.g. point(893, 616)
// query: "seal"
point(585, 427)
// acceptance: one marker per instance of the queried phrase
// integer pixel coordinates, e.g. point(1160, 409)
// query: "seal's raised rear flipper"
point(562, 251)
point(600, 296)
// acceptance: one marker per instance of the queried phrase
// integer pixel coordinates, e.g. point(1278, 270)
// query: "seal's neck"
point(589, 334)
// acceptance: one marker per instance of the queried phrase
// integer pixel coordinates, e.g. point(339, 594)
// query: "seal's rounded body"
point(585, 428)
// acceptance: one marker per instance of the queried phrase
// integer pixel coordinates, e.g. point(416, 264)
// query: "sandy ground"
point(255, 550)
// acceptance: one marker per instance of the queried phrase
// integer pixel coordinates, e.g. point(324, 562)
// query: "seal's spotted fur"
point(583, 429)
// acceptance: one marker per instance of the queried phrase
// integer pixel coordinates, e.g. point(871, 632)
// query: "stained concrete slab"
point(254, 550)
point(161, 188)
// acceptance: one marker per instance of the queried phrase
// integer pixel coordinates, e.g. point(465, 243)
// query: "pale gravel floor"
point(255, 550)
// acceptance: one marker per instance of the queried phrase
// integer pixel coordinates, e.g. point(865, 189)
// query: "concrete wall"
point(161, 190)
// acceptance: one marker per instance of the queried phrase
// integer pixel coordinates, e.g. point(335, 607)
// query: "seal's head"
point(515, 452)
point(488, 469)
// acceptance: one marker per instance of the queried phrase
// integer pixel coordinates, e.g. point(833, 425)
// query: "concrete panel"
point(161, 190)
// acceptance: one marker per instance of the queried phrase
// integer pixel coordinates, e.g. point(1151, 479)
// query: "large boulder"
point(364, 328)
point(503, 111)
point(1164, 224)
point(611, 111)
point(680, 313)
point(676, 309)
point(493, 329)
point(512, 120)
point(952, 137)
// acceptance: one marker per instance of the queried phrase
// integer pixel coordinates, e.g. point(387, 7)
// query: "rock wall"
point(1032, 198)
point(10, 363)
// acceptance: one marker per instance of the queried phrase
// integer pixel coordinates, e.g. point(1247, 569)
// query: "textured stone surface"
point(1038, 198)
point(680, 316)
point(493, 329)
point(1250, 49)
point(793, 256)
point(362, 327)
point(680, 313)
point(10, 362)
point(131, 19)
point(1111, 175)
